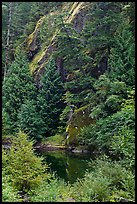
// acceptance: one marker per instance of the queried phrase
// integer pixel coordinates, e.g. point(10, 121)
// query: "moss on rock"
point(40, 54)
point(32, 39)
point(80, 118)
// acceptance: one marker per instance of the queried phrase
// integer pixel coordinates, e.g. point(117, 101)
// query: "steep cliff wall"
point(40, 55)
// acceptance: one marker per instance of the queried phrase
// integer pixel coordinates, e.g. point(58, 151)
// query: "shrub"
point(9, 194)
point(55, 191)
point(106, 181)
point(123, 143)
point(113, 103)
point(24, 167)
point(102, 133)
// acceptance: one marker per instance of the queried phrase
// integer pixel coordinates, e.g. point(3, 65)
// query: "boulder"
point(79, 119)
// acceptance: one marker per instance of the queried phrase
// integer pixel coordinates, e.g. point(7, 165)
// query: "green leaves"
point(108, 180)
point(24, 168)
point(100, 135)
point(124, 143)
point(9, 193)
point(113, 103)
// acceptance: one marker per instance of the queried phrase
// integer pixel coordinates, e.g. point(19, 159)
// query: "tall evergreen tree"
point(50, 102)
point(104, 19)
point(122, 57)
point(30, 121)
point(17, 87)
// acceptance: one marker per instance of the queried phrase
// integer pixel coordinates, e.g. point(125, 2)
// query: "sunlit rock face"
point(79, 119)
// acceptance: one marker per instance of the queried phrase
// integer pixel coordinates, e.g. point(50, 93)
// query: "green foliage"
point(50, 104)
point(22, 165)
point(55, 191)
point(18, 87)
point(9, 194)
point(123, 143)
point(30, 121)
point(101, 134)
point(78, 88)
point(66, 111)
point(122, 56)
point(108, 179)
point(104, 18)
point(113, 103)
point(97, 49)
point(108, 97)
point(54, 140)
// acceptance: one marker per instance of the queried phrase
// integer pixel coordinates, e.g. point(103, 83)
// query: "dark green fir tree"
point(122, 56)
point(30, 120)
point(50, 104)
point(17, 87)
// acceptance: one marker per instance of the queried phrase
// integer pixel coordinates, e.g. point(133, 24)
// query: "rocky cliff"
point(38, 54)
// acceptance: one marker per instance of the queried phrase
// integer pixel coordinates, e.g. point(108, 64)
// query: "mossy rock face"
point(39, 54)
point(80, 119)
point(32, 43)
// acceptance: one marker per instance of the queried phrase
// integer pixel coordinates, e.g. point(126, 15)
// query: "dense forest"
point(68, 79)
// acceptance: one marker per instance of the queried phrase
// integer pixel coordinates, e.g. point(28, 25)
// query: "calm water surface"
point(66, 165)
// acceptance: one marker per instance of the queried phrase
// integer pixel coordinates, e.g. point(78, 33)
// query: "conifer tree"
point(24, 168)
point(122, 57)
point(50, 102)
point(30, 120)
point(17, 87)
point(104, 18)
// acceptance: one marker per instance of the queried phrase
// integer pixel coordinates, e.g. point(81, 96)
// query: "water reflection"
point(68, 166)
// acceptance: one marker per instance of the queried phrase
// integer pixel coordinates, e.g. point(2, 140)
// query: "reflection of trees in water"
point(67, 166)
point(75, 168)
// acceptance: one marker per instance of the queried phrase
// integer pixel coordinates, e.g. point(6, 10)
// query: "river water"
point(66, 165)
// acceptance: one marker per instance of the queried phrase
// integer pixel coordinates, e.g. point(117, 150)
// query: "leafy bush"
point(55, 191)
point(24, 167)
point(124, 143)
point(101, 134)
point(113, 103)
point(108, 179)
point(108, 98)
point(9, 194)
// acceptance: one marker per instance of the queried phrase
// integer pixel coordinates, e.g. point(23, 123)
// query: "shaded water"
point(66, 165)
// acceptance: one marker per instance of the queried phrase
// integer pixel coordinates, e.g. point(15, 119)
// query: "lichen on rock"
point(80, 118)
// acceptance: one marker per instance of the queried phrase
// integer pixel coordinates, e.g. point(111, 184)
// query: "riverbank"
point(51, 144)
point(49, 147)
